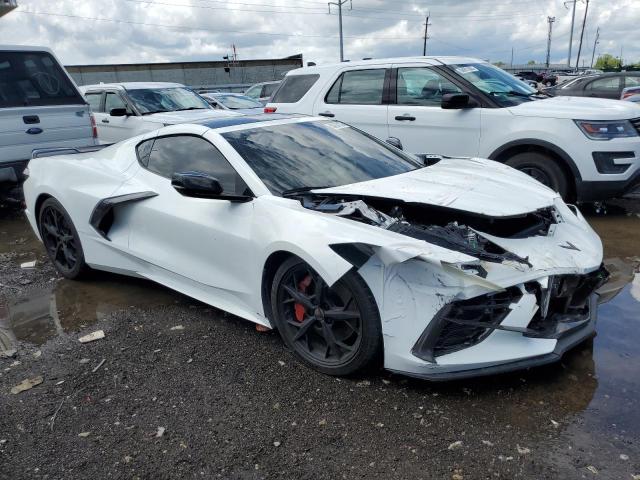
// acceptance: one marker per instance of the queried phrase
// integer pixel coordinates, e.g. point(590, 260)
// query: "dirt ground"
point(177, 389)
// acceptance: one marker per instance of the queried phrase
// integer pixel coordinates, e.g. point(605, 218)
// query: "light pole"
point(550, 20)
point(339, 4)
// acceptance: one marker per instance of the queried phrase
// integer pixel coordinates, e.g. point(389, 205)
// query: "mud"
point(236, 404)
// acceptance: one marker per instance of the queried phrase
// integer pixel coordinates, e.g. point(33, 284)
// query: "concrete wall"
point(241, 74)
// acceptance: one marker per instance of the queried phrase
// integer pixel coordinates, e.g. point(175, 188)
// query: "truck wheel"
point(543, 168)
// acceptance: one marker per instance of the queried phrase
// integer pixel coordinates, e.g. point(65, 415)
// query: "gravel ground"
point(177, 389)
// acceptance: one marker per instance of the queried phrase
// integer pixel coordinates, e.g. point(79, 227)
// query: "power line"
point(191, 28)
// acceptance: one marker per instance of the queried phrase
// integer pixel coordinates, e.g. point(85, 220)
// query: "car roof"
point(132, 85)
point(224, 122)
point(445, 60)
point(24, 48)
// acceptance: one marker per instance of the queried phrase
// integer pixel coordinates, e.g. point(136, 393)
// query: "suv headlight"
point(607, 129)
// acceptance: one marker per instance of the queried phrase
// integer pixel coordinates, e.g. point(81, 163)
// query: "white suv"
point(123, 110)
point(587, 149)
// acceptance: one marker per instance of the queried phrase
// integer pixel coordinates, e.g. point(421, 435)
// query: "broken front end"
point(464, 294)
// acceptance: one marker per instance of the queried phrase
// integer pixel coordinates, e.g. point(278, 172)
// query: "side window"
point(143, 150)
point(254, 92)
point(94, 100)
point(113, 100)
point(422, 86)
point(187, 153)
point(294, 88)
point(358, 87)
point(268, 89)
point(632, 81)
point(608, 83)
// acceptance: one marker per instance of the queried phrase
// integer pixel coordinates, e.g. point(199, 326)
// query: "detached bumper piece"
point(566, 307)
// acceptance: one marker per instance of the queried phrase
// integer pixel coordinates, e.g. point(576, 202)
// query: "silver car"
point(263, 91)
point(233, 101)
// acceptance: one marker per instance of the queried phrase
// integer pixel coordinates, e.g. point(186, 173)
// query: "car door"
point(605, 87)
point(356, 97)
point(418, 120)
point(116, 128)
point(202, 246)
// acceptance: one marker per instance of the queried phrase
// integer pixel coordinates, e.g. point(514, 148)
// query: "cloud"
point(132, 31)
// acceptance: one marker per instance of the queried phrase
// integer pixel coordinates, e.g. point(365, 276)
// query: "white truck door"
point(417, 119)
point(355, 97)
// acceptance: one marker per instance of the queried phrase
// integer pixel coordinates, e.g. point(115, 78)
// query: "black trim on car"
point(563, 345)
point(601, 190)
point(102, 216)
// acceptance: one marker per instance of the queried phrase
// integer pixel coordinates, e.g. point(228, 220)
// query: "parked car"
point(631, 94)
point(233, 101)
point(529, 75)
point(262, 91)
point(40, 107)
point(586, 149)
point(351, 248)
point(123, 110)
point(606, 85)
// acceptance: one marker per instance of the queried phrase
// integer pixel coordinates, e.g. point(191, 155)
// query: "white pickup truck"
point(40, 107)
point(587, 149)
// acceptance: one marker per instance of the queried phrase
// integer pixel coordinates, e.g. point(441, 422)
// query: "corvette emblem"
point(570, 246)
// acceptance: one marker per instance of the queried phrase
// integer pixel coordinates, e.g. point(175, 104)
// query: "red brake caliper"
point(302, 287)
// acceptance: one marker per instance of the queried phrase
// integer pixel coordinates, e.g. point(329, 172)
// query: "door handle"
point(402, 118)
point(326, 114)
point(105, 120)
point(34, 131)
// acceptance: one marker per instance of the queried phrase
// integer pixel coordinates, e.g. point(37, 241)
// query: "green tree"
point(606, 61)
point(499, 64)
point(531, 62)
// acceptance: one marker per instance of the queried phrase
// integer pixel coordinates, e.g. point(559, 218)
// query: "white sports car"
point(354, 251)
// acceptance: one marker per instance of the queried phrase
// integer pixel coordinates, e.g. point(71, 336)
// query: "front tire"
point(335, 330)
point(543, 168)
point(61, 240)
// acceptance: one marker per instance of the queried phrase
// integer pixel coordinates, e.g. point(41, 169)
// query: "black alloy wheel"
point(334, 329)
point(61, 239)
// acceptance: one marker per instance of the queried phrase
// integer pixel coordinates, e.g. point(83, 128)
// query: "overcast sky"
point(131, 31)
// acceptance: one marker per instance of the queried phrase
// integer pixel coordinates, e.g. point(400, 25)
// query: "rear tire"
point(543, 168)
point(336, 330)
point(61, 240)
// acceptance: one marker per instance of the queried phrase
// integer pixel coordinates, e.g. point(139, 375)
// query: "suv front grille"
point(636, 124)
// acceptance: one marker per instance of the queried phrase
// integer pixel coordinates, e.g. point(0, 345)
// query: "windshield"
point(172, 99)
point(316, 154)
point(234, 102)
point(505, 89)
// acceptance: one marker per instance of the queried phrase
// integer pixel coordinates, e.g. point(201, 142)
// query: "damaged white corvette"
point(353, 250)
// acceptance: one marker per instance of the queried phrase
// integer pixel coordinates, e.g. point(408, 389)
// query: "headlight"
point(606, 130)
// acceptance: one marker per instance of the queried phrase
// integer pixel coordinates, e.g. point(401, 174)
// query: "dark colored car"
point(546, 78)
point(535, 76)
point(607, 85)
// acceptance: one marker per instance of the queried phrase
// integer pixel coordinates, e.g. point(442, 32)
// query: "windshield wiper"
point(514, 93)
point(294, 191)
point(154, 111)
point(189, 108)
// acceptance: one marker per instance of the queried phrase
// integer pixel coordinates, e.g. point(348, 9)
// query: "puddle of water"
point(16, 235)
point(69, 306)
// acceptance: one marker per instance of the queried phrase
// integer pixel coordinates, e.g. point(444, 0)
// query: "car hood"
point(470, 184)
point(577, 108)
point(188, 116)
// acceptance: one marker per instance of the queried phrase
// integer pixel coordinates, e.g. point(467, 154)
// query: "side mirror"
point(118, 112)
point(451, 101)
point(395, 142)
point(201, 185)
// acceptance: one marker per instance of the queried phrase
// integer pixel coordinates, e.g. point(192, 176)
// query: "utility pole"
point(339, 4)
point(426, 36)
point(573, 19)
point(584, 21)
point(595, 42)
point(511, 64)
point(550, 20)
